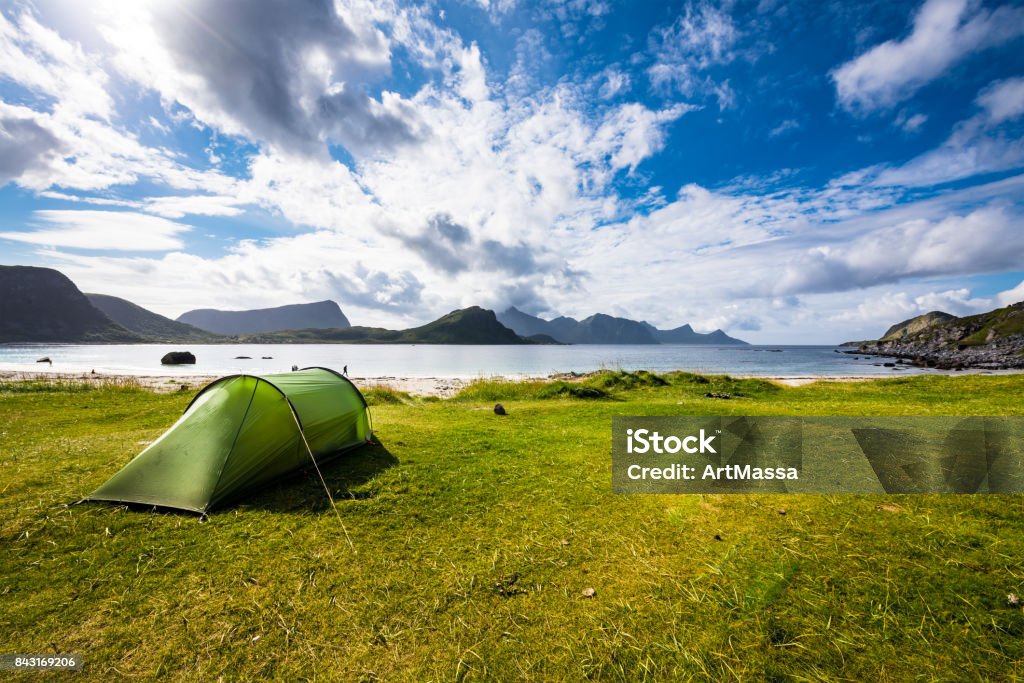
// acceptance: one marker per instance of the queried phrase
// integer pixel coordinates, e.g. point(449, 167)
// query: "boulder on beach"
point(44, 359)
point(243, 357)
point(178, 358)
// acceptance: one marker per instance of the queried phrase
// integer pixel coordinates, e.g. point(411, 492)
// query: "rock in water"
point(499, 409)
point(178, 358)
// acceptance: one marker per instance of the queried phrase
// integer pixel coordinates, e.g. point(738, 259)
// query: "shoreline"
point(441, 386)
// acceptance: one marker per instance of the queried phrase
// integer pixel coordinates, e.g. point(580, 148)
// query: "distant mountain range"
point(606, 329)
point(147, 323)
point(473, 325)
point(43, 305)
point(318, 315)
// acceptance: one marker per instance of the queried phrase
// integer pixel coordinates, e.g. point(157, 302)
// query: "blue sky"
point(786, 171)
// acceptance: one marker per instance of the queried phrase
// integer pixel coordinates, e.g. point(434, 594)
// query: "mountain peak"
point(918, 323)
point(44, 305)
point(601, 328)
point(317, 315)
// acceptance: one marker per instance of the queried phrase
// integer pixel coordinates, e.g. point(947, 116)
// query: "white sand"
point(421, 386)
point(424, 386)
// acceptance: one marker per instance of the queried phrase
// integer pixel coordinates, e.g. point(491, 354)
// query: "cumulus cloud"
point(25, 142)
point(728, 317)
point(944, 32)
point(442, 244)
point(292, 75)
point(885, 308)
point(102, 230)
point(400, 292)
point(988, 239)
point(1011, 296)
point(1003, 100)
point(450, 247)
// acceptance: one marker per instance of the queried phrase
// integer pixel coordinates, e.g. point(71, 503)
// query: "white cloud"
point(26, 142)
point(613, 83)
point(1011, 296)
point(988, 239)
point(38, 58)
point(194, 205)
point(886, 308)
point(288, 75)
point(701, 37)
point(944, 32)
point(102, 231)
point(1003, 100)
point(497, 8)
point(977, 145)
point(910, 123)
point(784, 127)
point(71, 139)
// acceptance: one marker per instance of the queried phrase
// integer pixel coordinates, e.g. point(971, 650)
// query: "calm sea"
point(417, 360)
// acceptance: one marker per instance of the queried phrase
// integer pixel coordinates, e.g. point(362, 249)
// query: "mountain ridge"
point(44, 305)
point(324, 314)
point(917, 324)
point(151, 325)
point(472, 325)
point(605, 329)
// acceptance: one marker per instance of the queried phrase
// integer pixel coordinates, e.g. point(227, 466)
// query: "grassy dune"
point(476, 535)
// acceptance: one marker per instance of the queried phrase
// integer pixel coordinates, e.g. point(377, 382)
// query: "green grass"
point(68, 385)
point(475, 535)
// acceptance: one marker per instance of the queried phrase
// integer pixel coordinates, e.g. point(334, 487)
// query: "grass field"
point(475, 537)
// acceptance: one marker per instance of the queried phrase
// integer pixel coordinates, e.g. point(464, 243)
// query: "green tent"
point(240, 433)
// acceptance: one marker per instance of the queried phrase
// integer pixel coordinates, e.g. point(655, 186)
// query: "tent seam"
point(231, 451)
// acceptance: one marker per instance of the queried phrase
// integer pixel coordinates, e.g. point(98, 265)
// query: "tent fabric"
point(240, 433)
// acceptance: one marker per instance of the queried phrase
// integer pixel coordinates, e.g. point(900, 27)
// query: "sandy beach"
point(421, 386)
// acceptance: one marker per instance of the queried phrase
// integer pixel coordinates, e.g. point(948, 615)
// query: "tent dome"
point(241, 433)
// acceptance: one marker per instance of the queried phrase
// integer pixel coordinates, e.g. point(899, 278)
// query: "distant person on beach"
point(344, 371)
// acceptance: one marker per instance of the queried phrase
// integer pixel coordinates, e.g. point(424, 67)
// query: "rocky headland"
point(993, 340)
